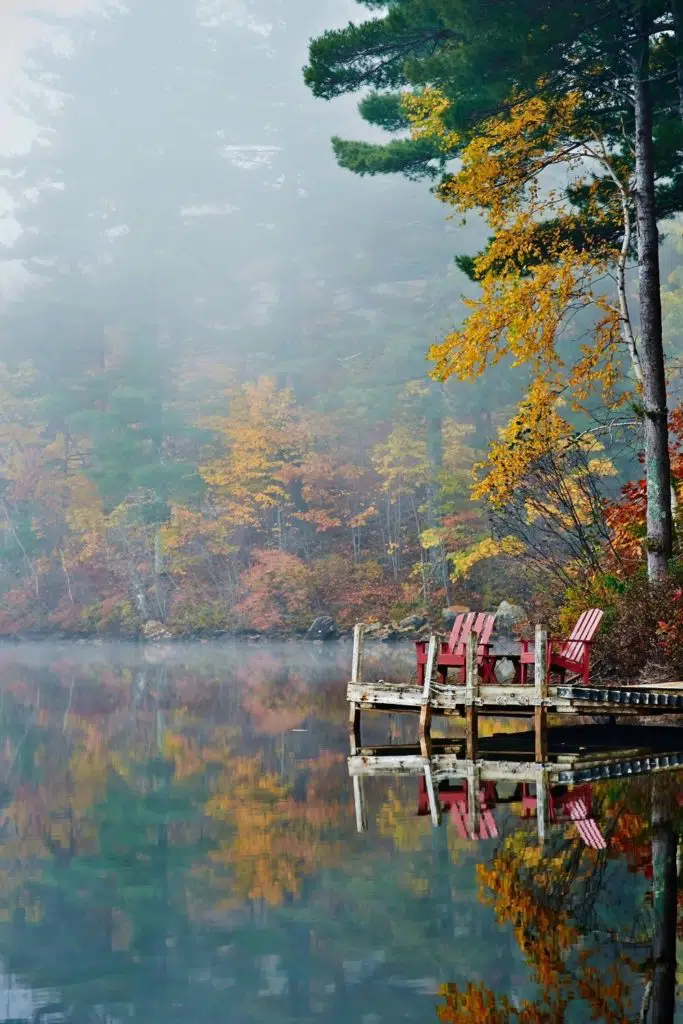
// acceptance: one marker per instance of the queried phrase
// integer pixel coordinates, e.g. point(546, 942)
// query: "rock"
point(505, 671)
point(154, 630)
point(510, 618)
point(373, 628)
point(389, 635)
point(448, 616)
point(323, 628)
point(412, 622)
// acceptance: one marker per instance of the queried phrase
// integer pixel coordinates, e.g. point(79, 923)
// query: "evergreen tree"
point(618, 56)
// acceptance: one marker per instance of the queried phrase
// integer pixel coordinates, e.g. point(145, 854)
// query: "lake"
point(179, 843)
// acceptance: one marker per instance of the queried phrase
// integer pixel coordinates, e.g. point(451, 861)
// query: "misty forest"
point(318, 309)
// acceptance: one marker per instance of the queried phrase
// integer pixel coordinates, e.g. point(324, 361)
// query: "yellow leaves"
point(533, 275)
point(272, 842)
point(426, 111)
point(264, 437)
point(402, 826)
point(464, 561)
point(431, 538)
point(536, 429)
point(402, 461)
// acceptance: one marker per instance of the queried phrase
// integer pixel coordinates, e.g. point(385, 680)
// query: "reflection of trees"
point(586, 942)
point(160, 846)
point(267, 840)
point(125, 836)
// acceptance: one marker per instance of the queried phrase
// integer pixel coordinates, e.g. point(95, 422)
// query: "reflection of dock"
point(556, 789)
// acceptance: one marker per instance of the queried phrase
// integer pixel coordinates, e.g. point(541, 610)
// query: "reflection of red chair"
point(454, 800)
point(452, 653)
point(575, 806)
point(574, 654)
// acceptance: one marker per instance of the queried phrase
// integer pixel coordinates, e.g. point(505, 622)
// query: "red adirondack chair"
point(571, 806)
point(455, 801)
point(452, 653)
point(573, 655)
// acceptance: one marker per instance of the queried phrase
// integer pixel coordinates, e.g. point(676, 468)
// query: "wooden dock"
point(473, 698)
point(575, 756)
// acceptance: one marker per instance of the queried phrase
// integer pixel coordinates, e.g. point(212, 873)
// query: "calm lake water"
point(178, 843)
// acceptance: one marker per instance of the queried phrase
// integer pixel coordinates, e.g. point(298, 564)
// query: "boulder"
point(390, 635)
point(505, 671)
point(156, 631)
point(448, 617)
point(412, 622)
point(323, 628)
point(510, 618)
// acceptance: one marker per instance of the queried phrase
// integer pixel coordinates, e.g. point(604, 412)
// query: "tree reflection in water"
point(177, 839)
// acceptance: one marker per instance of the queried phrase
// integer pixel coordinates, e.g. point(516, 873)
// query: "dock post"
point(473, 799)
point(540, 695)
point(434, 808)
point(358, 652)
point(541, 802)
point(426, 704)
point(359, 802)
point(471, 695)
point(356, 677)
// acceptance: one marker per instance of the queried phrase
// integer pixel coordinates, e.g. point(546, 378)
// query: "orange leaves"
point(477, 1004)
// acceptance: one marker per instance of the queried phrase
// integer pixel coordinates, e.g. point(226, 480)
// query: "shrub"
point(643, 624)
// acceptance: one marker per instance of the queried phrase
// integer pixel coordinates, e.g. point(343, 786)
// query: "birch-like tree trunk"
point(655, 415)
point(664, 905)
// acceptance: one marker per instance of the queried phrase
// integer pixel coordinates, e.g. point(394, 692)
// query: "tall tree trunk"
point(435, 458)
point(664, 907)
point(677, 11)
point(657, 466)
point(160, 579)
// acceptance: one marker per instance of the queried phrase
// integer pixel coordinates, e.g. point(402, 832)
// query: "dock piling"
point(434, 809)
point(471, 695)
point(356, 677)
point(473, 798)
point(359, 803)
point(540, 694)
point(426, 703)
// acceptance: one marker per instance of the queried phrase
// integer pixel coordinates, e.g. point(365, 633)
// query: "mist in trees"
point(214, 339)
point(217, 414)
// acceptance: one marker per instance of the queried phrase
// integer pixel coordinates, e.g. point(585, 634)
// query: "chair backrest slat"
point(457, 643)
point(485, 634)
point(481, 623)
point(585, 629)
point(454, 638)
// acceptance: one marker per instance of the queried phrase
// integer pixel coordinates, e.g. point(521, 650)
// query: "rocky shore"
point(510, 619)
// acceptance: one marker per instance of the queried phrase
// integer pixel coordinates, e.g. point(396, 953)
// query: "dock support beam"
point(359, 802)
point(541, 695)
point(426, 703)
point(473, 799)
point(434, 808)
point(541, 802)
point(356, 677)
point(471, 695)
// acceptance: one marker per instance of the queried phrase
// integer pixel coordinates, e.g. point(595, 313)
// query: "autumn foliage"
point(258, 517)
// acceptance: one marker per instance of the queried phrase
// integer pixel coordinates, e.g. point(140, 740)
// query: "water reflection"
point(178, 842)
point(551, 890)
